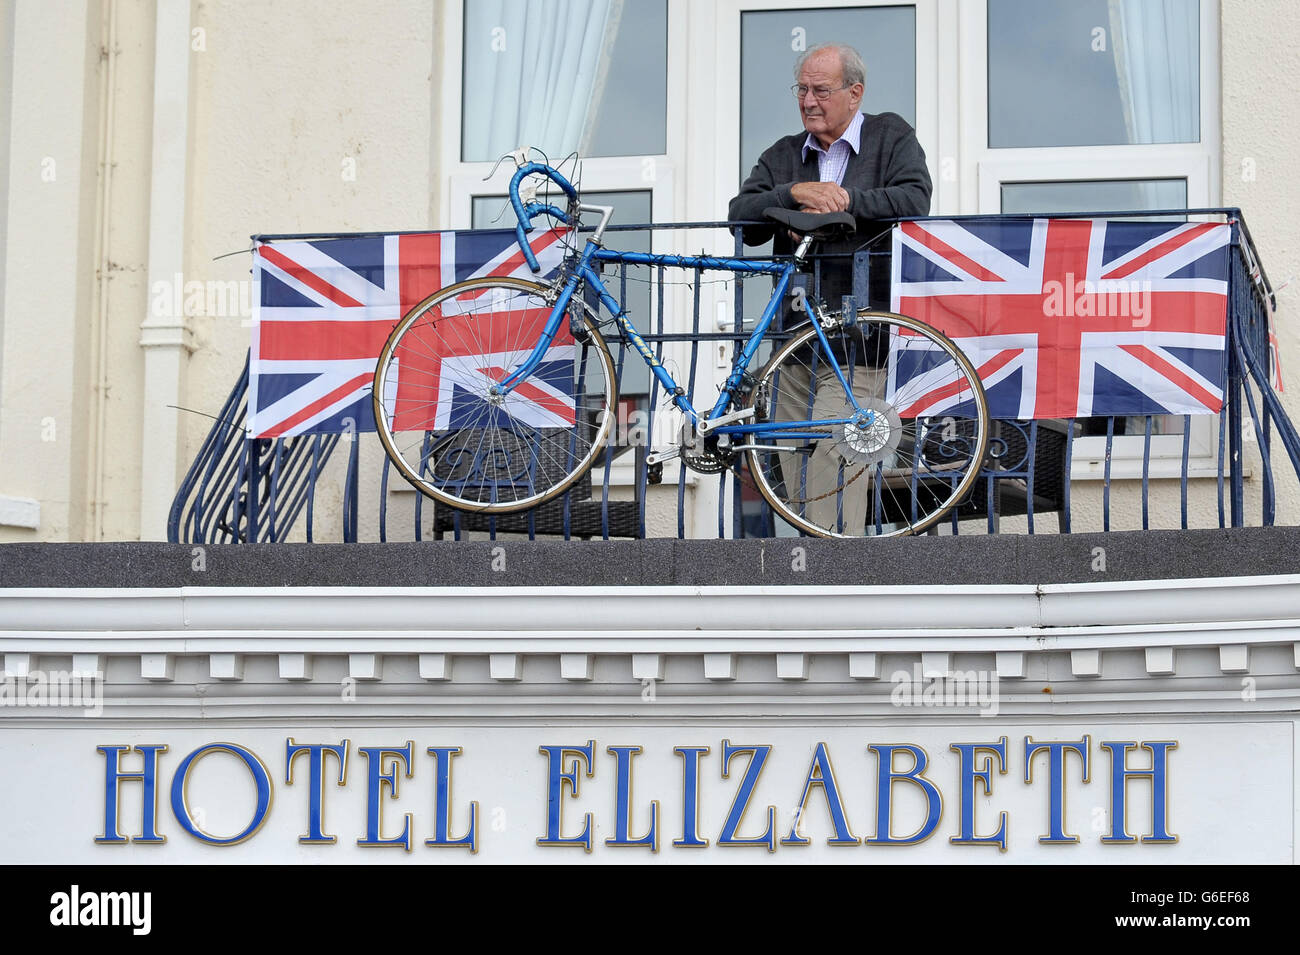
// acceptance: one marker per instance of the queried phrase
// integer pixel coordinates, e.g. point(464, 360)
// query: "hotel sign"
point(1125, 792)
point(742, 767)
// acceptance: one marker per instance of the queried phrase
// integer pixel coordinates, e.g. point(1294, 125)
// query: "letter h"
point(114, 777)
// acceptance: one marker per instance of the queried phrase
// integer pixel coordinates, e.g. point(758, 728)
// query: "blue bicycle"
point(498, 394)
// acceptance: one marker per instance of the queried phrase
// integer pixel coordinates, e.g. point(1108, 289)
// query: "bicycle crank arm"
point(659, 457)
point(707, 427)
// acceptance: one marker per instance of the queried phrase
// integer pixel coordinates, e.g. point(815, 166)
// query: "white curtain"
point(530, 74)
point(1157, 58)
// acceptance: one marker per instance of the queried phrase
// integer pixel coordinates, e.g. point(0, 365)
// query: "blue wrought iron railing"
point(259, 490)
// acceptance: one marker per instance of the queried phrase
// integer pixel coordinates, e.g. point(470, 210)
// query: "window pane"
point(1115, 195)
point(1093, 73)
point(565, 75)
point(630, 208)
point(885, 36)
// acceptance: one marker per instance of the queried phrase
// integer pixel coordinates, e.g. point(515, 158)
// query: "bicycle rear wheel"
point(462, 445)
point(895, 470)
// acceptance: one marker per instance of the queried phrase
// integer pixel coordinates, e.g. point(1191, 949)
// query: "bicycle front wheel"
point(896, 463)
point(449, 432)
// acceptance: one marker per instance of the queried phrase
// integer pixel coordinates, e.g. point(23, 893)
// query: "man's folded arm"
point(760, 192)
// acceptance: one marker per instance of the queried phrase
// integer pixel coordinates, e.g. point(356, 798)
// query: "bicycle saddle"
point(820, 225)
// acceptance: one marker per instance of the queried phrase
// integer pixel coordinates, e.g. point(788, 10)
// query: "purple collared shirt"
point(832, 162)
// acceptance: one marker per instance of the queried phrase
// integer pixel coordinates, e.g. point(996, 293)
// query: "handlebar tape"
point(525, 213)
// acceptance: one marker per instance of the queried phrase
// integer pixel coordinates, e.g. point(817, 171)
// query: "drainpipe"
point(103, 216)
point(166, 338)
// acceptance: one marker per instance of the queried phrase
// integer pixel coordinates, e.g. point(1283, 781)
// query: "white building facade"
point(1034, 709)
point(142, 142)
point(1058, 698)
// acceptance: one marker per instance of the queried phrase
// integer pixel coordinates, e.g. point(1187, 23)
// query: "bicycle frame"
point(583, 271)
point(805, 469)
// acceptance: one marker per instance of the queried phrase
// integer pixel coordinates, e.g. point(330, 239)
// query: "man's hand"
point(820, 197)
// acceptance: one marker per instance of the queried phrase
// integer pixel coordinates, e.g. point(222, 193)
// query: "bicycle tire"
point(899, 475)
point(479, 453)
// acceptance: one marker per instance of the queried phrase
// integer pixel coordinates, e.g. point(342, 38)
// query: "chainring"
point(711, 460)
point(708, 463)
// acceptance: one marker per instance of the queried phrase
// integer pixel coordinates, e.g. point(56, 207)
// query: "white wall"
point(50, 265)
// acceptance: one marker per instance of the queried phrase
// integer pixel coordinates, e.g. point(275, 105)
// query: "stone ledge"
point(942, 561)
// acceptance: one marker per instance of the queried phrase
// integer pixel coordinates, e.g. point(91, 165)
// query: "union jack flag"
point(324, 308)
point(1064, 318)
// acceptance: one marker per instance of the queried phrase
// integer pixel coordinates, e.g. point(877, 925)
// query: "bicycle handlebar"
point(525, 213)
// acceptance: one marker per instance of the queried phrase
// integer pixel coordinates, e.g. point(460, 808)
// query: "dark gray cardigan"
point(886, 177)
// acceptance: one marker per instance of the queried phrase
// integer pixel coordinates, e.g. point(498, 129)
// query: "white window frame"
point(984, 170)
point(997, 171)
point(716, 121)
point(460, 182)
point(727, 56)
point(718, 117)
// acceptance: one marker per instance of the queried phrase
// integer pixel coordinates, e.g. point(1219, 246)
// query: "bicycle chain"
point(752, 485)
point(706, 463)
point(760, 400)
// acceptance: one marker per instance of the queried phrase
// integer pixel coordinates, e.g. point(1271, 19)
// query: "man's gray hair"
point(852, 68)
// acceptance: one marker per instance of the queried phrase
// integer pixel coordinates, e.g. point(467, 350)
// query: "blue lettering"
point(180, 795)
point(316, 768)
point(886, 778)
point(1056, 765)
point(376, 779)
point(113, 779)
point(1120, 774)
point(443, 756)
point(822, 773)
point(622, 803)
point(757, 757)
point(969, 777)
point(556, 778)
point(690, 797)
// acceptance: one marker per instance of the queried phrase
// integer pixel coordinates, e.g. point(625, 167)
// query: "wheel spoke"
point(887, 471)
point(487, 452)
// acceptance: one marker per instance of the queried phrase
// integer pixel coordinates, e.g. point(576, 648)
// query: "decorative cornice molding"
point(1228, 645)
point(1139, 614)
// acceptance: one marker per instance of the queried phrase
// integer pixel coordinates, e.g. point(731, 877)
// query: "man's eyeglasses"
point(821, 92)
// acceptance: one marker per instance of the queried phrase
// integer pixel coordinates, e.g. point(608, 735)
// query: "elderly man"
point(872, 167)
point(845, 160)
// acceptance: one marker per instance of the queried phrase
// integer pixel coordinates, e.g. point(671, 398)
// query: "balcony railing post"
point(861, 283)
point(273, 486)
point(1266, 450)
point(352, 490)
point(1233, 395)
point(251, 487)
